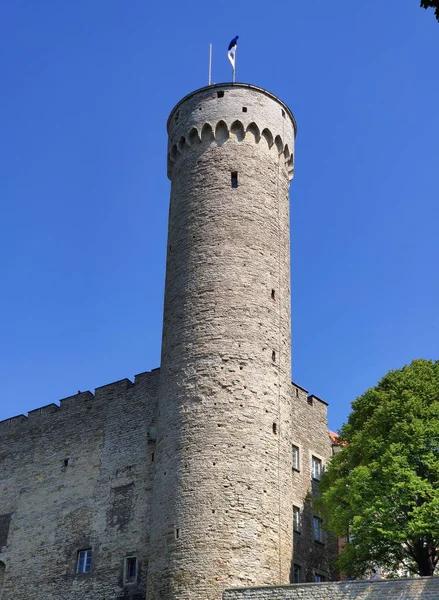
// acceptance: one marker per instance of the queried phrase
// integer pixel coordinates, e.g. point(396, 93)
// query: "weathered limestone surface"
point(310, 435)
point(49, 509)
point(189, 468)
point(426, 588)
point(222, 491)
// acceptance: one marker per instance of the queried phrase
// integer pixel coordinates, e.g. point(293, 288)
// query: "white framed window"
point(318, 531)
point(130, 569)
point(84, 561)
point(297, 518)
point(295, 455)
point(316, 468)
point(296, 573)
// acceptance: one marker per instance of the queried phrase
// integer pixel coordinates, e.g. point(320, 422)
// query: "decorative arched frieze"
point(268, 137)
point(237, 129)
point(254, 129)
point(221, 132)
point(207, 133)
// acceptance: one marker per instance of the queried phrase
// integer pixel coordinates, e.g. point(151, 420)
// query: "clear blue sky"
point(86, 91)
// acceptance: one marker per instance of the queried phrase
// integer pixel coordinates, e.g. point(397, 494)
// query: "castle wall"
point(310, 435)
point(73, 477)
point(426, 588)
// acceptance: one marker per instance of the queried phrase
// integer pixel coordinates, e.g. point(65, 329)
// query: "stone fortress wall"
point(73, 477)
point(426, 588)
point(188, 470)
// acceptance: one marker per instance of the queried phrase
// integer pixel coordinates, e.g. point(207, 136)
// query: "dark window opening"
point(273, 356)
point(283, 113)
point(177, 533)
point(234, 179)
point(130, 569)
point(275, 428)
point(244, 109)
point(66, 462)
point(152, 457)
point(296, 573)
point(273, 295)
point(220, 94)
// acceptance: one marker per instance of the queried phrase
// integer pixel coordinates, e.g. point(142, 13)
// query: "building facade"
point(199, 475)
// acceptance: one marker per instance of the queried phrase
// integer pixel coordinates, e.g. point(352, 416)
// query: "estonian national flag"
point(232, 51)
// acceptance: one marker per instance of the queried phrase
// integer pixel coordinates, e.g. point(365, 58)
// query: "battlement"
point(75, 404)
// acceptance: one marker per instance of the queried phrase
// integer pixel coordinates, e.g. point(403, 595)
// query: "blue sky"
point(86, 91)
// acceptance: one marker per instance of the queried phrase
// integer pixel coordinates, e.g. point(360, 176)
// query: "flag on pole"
point(231, 52)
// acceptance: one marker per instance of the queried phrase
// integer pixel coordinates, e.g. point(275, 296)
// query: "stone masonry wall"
point(426, 588)
point(222, 492)
point(73, 477)
point(310, 435)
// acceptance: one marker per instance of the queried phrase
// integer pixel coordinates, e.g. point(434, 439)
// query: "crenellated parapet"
point(230, 113)
point(78, 404)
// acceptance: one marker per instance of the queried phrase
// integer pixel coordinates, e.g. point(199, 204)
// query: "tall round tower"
point(222, 498)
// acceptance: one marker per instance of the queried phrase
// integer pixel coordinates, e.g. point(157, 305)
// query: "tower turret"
point(222, 498)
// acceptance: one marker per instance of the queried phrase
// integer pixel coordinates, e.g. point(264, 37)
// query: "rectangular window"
point(296, 519)
point(234, 179)
point(130, 569)
point(296, 573)
point(318, 578)
point(318, 533)
point(84, 561)
point(296, 457)
point(317, 468)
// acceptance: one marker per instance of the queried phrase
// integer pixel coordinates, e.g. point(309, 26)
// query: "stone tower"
point(222, 498)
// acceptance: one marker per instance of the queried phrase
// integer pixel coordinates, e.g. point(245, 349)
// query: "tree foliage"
point(381, 491)
point(431, 4)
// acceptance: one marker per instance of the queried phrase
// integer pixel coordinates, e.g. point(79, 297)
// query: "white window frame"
point(297, 521)
point(83, 563)
point(318, 532)
point(316, 474)
point(295, 452)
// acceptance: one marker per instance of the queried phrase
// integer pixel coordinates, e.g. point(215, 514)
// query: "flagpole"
point(210, 64)
point(234, 67)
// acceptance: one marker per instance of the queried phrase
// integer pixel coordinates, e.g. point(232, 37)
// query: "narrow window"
point(273, 356)
point(296, 519)
point(130, 569)
point(318, 533)
point(220, 94)
point(296, 573)
point(316, 468)
point(295, 457)
point(283, 113)
point(177, 533)
point(297, 393)
point(275, 428)
point(234, 179)
point(66, 462)
point(84, 561)
point(244, 109)
point(152, 457)
point(273, 294)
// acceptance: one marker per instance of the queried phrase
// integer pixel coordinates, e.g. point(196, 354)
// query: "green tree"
point(431, 4)
point(381, 490)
